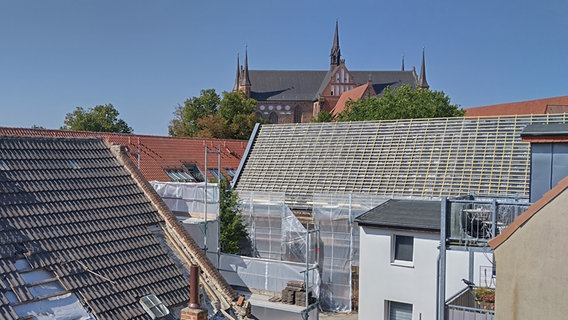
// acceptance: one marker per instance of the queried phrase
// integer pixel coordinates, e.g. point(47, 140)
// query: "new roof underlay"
point(405, 158)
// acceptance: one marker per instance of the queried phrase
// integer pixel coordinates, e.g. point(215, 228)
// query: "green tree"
point(404, 102)
point(323, 116)
point(232, 229)
point(102, 118)
point(186, 121)
point(209, 116)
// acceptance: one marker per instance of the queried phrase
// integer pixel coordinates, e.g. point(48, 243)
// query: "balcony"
point(477, 303)
point(472, 221)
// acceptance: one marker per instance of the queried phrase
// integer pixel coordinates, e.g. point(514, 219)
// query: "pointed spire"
point(422, 83)
point(402, 69)
point(245, 80)
point(237, 78)
point(335, 51)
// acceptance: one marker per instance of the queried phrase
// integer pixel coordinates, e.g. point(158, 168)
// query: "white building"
point(398, 263)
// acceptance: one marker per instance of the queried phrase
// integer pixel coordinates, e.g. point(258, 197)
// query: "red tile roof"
point(527, 215)
point(157, 153)
point(540, 106)
point(354, 94)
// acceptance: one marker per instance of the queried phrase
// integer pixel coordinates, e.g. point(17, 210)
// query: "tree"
point(185, 123)
point(404, 102)
point(323, 116)
point(209, 116)
point(102, 118)
point(232, 228)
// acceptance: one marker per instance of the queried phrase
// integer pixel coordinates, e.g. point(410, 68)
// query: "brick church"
point(297, 96)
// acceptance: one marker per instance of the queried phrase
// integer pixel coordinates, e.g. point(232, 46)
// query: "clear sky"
point(146, 57)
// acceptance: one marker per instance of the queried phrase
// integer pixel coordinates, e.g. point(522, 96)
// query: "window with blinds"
point(399, 311)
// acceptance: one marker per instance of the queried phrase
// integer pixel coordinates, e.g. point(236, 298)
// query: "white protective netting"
point(274, 230)
point(334, 215)
point(189, 197)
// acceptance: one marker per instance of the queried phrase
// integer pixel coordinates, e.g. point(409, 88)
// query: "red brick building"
point(297, 96)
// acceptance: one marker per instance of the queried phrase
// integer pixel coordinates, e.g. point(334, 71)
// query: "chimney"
point(193, 311)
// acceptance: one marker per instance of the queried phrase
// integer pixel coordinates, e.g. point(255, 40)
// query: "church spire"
point(402, 69)
point(244, 77)
point(422, 83)
point(237, 78)
point(335, 51)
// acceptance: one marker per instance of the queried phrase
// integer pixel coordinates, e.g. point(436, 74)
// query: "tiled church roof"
point(70, 209)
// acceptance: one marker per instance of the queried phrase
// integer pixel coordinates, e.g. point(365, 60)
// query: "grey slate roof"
point(69, 207)
point(401, 158)
point(275, 85)
point(545, 129)
point(404, 214)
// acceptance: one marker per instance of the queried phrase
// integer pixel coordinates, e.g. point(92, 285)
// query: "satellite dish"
point(153, 306)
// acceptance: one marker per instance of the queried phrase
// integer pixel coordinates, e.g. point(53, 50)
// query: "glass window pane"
point(403, 248)
point(400, 311)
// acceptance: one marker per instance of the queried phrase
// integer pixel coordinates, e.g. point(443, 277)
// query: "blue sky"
point(146, 57)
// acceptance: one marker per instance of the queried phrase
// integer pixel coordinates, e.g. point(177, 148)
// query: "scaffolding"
point(467, 223)
point(399, 158)
point(334, 215)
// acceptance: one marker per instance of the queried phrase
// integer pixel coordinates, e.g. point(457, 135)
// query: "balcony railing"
point(471, 304)
point(473, 221)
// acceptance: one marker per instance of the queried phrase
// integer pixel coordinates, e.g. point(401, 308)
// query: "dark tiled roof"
point(157, 153)
point(545, 130)
point(273, 85)
point(268, 85)
point(68, 206)
point(404, 214)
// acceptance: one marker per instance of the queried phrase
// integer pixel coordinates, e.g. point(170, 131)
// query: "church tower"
point(242, 79)
point(335, 54)
point(422, 83)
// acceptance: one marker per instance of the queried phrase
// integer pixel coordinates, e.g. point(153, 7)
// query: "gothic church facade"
point(298, 96)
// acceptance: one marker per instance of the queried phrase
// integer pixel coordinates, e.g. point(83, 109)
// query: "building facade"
point(297, 96)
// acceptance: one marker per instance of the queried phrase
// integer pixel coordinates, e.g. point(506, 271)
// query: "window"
point(178, 175)
point(215, 173)
point(399, 311)
point(403, 248)
point(297, 114)
point(231, 172)
point(273, 117)
point(194, 172)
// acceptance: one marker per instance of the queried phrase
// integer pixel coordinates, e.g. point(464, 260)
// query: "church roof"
point(278, 85)
point(268, 85)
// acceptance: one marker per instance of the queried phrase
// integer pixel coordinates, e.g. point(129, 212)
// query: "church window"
point(273, 117)
point(337, 77)
point(259, 115)
point(297, 114)
point(342, 75)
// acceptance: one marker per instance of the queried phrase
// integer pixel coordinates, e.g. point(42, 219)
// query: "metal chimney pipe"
point(194, 287)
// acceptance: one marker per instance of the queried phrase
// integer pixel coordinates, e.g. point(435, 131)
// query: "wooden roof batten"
point(440, 157)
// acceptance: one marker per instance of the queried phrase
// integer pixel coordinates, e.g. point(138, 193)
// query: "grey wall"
point(549, 165)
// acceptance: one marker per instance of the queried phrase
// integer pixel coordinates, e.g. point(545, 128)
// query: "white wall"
point(381, 280)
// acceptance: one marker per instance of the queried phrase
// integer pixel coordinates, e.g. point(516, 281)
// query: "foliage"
point(485, 297)
point(404, 102)
point(102, 118)
point(323, 116)
point(232, 228)
point(209, 116)
point(185, 123)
